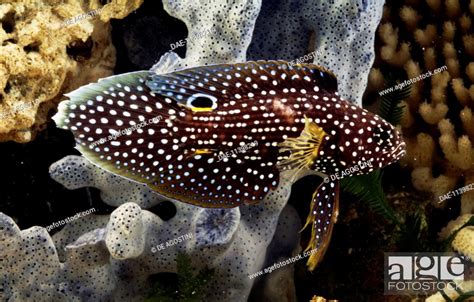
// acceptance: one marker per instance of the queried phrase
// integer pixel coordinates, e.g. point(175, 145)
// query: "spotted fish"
point(294, 113)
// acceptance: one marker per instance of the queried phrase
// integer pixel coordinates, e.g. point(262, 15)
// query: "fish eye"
point(384, 135)
point(202, 102)
point(381, 135)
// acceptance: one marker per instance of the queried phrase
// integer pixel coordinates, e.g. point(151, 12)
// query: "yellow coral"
point(40, 58)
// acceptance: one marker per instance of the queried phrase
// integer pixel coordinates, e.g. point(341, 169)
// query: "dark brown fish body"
point(227, 132)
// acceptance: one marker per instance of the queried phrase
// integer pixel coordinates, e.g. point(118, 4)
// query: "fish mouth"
point(400, 151)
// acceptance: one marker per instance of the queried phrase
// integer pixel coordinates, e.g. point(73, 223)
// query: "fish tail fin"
point(95, 94)
point(324, 209)
point(114, 120)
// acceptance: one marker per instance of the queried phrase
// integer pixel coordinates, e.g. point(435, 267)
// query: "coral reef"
point(463, 241)
point(45, 52)
point(452, 294)
point(111, 257)
point(418, 37)
point(290, 29)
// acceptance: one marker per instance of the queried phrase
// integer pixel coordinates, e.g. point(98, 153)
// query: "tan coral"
point(453, 8)
point(439, 83)
point(376, 80)
point(434, 4)
point(460, 152)
point(449, 30)
point(425, 37)
point(467, 121)
point(461, 92)
point(468, 42)
point(389, 50)
point(420, 151)
point(423, 180)
point(410, 17)
point(470, 71)
point(465, 23)
point(47, 50)
point(430, 58)
point(321, 299)
point(433, 114)
point(413, 70)
point(441, 156)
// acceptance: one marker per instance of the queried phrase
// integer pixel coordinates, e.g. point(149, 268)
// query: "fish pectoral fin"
point(324, 210)
point(204, 151)
point(192, 153)
point(304, 149)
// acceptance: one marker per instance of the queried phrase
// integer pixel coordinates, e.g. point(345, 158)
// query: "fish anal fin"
point(324, 210)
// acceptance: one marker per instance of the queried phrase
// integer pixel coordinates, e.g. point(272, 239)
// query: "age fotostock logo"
point(423, 273)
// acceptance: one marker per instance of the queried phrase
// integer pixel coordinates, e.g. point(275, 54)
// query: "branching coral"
point(42, 57)
point(418, 37)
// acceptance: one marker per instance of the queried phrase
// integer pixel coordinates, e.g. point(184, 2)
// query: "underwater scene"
point(237, 150)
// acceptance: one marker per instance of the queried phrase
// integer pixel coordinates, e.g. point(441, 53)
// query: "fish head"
point(366, 140)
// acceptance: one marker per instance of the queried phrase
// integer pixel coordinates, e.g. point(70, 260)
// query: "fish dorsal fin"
point(304, 149)
point(253, 79)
